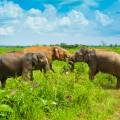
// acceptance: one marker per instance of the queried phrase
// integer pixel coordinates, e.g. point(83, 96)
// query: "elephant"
point(14, 64)
point(52, 53)
point(99, 61)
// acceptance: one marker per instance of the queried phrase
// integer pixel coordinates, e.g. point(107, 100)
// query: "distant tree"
point(76, 45)
point(116, 45)
point(103, 43)
point(111, 45)
point(63, 44)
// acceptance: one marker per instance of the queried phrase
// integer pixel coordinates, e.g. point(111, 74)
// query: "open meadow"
point(61, 96)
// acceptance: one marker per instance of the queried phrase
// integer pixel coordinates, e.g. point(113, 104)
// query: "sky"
point(33, 22)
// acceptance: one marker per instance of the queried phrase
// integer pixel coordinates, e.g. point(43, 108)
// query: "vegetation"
point(59, 96)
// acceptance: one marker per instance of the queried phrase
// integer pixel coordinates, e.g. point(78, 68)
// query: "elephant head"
point(60, 53)
point(83, 55)
point(40, 61)
point(34, 61)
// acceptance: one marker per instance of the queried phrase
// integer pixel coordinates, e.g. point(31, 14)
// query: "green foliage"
point(58, 96)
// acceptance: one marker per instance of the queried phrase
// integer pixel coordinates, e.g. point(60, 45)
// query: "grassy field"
point(59, 96)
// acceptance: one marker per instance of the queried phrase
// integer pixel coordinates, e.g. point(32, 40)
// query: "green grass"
point(59, 96)
point(8, 49)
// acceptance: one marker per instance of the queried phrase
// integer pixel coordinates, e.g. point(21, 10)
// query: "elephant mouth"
point(71, 62)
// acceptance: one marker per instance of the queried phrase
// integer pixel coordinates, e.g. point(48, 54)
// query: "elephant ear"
point(56, 53)
point(84, 51)
point(27, 65)
point(92, 52)
point(92, 55)
point(27, 61)
point(35, 59)
point(41, 58)
point(85, 54)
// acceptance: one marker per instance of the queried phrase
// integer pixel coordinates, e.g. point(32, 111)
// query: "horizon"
point(24, 22)
point(65, 44)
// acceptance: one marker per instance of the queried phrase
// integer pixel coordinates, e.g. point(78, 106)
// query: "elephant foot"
point(118, 84)
point(3, 83)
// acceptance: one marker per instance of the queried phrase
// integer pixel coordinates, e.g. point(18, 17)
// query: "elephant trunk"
point(71, 62)
point(46, 66)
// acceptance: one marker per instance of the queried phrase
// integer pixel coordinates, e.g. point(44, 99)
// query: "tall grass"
point(58, 96)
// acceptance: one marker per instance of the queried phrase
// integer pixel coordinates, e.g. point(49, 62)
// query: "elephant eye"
point(78, 54)
point(33, 63)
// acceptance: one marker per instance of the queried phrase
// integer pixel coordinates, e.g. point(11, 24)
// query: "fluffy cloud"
point(51, 24)
point(78, 17)
point(103, 18)
point(6, 30)
point(10, 16)
point(89, 3)
point(50, 21)
point(65, 21)
point(36, 23)
point(34, 12)
point(84, 2)
point(10, 10)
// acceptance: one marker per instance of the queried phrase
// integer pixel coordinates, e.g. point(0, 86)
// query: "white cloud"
point(50, 21)
point(6, 30)
point(103, 18)
point(68, 2)
point(86, 3)
point(11, 16)
point(36, 25)
point(90, 3)
point(50, 12)
point(78, 17)
point(34, 12)
point(65, 21)
point(10, 10)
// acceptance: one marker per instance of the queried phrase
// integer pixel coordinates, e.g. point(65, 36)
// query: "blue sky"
point(31, 22)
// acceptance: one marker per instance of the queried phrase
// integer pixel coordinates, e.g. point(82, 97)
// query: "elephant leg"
point(93, 70)
point(44, 70)
point(41, 69)
point(92, 73)
point(31, 75)
point(3, 82)
point(46, 67)
point(24, 75)
point(51, 67)
point(118, 83)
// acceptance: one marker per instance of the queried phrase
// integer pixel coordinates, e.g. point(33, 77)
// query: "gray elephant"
point(99, 60)
point(14, 64)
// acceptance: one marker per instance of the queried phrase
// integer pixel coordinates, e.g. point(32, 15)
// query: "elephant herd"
point(22, 63)
point(16, 63)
